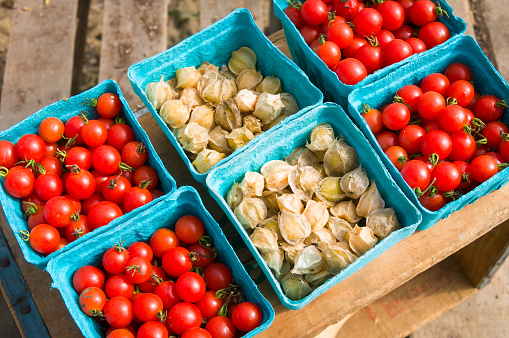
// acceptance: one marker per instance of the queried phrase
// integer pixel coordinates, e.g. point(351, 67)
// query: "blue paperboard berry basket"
point(64, 110)
point(184, 201)
point(487, 80)
point(326, 79)
point(283, 141)
point(215, 44)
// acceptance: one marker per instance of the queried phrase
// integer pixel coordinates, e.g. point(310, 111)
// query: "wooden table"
point(406, 287)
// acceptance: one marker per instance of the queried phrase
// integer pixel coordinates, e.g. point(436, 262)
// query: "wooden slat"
point(132, 30)
point(39, 61)
point(212, 10)
point(279, 40)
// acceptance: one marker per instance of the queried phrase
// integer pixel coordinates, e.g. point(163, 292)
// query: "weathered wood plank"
point(34, 77)
point(212, 10)
point(132, 30)
point(462, 9)
point(496, 18)
point(279, 40)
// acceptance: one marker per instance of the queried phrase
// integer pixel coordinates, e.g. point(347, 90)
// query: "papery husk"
point(274, 260)
point(243, 58)
point(270, 199)
point(264, 239)
point(361, 240)
point(322, 235)
point(294, 227)
point(302, 157)
point(337, 256)
point(246, 100)
point(228, 116)
point(319, 278)
point(206, 66)
point(295, 287)
point(239, 137)
point(215, 88)
point(285, 268)
point(250, 212)
point(207, 159)
point(321, 137)
point(204, 116)
point(308, 260)
point(272, 213)
point(270, 84)
point(173, 91)
point(369, 201)
point(276, 174)
point(253, 124)
point(347, 211)
point(248, 79)
point(383, 222)
point(227, 74)
point(339, 228)
point(218, 141)
point(355, 183)
point(340, 158)
point(193, 137)
point(273, 123)
point(234, 196)
point(191, 98)
point(158, 93)
point(268, 107)
point(290, 202)
point(317, 214)
point(291, 250)
point(290, 104)
point(329, 190)
point(188, 77)
point(272, 222)
point(252, 185)
point(303, 181)
point(175, 113)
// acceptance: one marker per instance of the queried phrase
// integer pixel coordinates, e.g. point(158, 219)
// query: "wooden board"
point(132, 30)
point(212, 10)
point(34, 77)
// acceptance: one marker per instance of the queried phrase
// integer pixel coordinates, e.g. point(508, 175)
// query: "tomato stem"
point(120, 246)
point(124, 167)
point(70, 140)
point(119, 120)
point(502, 166)
point(399, 99)
point(451, 100)
point(482, 140)
point(162, 316)
point(223, 311)
point(75, 217)
point(31, 208)
point(133, 267)
point(502, 104)
point(433, 159)
point(90, 102)
point(465, 177)
point(97, 313)
point(141, 148)
point(157, 280)
point(440, 11)
point(83, 116)
point(78, 232)
point(452, 194)
point(365, 108)
point(73, 168)
point(25, 235)
point(205, 241)
point(144, 184)
point(113, 183)
point(3, 171)
point(419, 193)
point(402, 159)
point(198, 270)
point(295, 4)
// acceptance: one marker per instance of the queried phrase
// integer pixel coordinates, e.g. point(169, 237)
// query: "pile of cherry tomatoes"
point(78, 176)
point(171, 286)
point(355, 38)
point(443, 137)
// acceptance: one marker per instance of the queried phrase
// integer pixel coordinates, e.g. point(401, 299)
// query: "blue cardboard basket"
point(64, 110)
point(487, 81)
point(326, 79)
point(185, 201)
point(281, 144)
point(215, 44)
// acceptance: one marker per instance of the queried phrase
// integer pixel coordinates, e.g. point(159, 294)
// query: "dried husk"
point(234, 196)
point(188, 77)
point(250, 212)
point(274, 260)
point(173, 90)
point(322, 235)
point(383, 222)
point(228, 115)
point(270, 84)
point(303, 181)
point(361, 240)
point(214, 87)
point(175, 113)
point(290, 202)
point(191, 98)
point(227, 74)
point(292, 250)
point(290, 104)
point(295, 287)
point(268, 107)
point(246, 100)
point(206, 159)
point(293, 158)
point(252, 185)
point(369, 201)
point(243, 58)
point(317, 214)
point(193, 137)
point(321, 137)
point(272, 223)
point(248, 79)
point(218, 141)
point(319, 278)
point(204, 116)
point(239, 137)
point(273, 122)
point(285, 268)
point(337, 256)
point(339, 228)
point(206, 66)
point(308, 260)
point(276, 174)
point(329, 190)
point(158, 93)
point(253, 124)
point(302, 157)
point(347, 211)
point(355, 183)
point(270, 199)
point(264, 239)
point(294, 227)
point(340, 158)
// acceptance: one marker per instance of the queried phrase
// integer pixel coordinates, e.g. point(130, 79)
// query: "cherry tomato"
point(108, 105)
point(374, 120)
point(404, 33)
point(162, 240)
point(88, 203)
point(190, 287)
point(423, 12)
point(458, 71)
point(118, 312)
point(115, 259)
point(433, 202)
point(108, 123)
point(119, 286)
point(189, 229)
point(387, 139)
point(435, 82)
point(196, 332)
point(341, 34)
point(410, 138)
point(350, 71)
point(92, 301)
point(384, 37)
point(152, 329)
point(147, 307)
point(406, 5)
point(44, 238)
point(138, 270)
point(431, 105)
point(115, 189)
point(51, 129)
point(106, 159)
point(156, 194)
point(19, 182)
point(103, 213)
point(80, 183)
point(142, 250)
point(294, 15)
point(358, 42)
point(247, 316)
point(434, 34)
point(446, 176)
point(36, 218)
point(481, 150)
point(397, 155)
point(53, 165)
point(396, 116)
point(86, 277)
point(100, 179)
point(347, 9)
point(488, 108)
point(136, 197)
point(77, 228)
point(496, 156)
point(167, 291)
point(119, 135)
point(416, 174)
point(327, 24)
point(217, 276)
point(462, 91)
point(367, 22)
point(396, 51)
point(176, 261)
point(72, 128)
point(58, 211)
point(411, 95)
point(8, 154)
point(134, 154)
point(329, 53)
point(371, 57)
point(493, 132)
point(146, 173)
point(504, 149)
point(310, 33)
point(436, 142)
point(184, 316)
point(31, 147)
point(157, 277)
point(453, 118)
point(417, 45)
point(201, 255)
point(393, 15)
point(120, 333)
point(464, 169)
point(210, 305)
point(483, 168)
point(313, 12)
point(221, 327)
point(94, 133)
point(79, 156)
point(463, 146)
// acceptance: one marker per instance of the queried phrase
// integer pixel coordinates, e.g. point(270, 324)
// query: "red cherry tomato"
point(433, 202)
point(138, 270)
point(247, 316)
point(146, 173)
point(79, 156)
point(115, 259)
point(80, 183)
point(162, 240)
point(217, 276)
point(423, 12)
point(396, 51)
point(329, 53)
point(436, 142)
point(434, 34)
point(406, 5)
point(189, 229)
point(108, 105)
point(8, 154)
point(371, 57)
point(108, 123)
point(350, 71)
point(119, 286)
point(100, 180)
point(147, 307)
point(367, 22)
point(416, 174)
point(167, 291)
point(397, 155)
point(314, 12)
point(410, 138)
point(88, 203)
point(157, 277)
point(190, 287)
point(294, 15)
point(86, 277)
point(92, 301)
point(358, 42)
point(417, 45)
point(374, 120)
point(31, 147)
point(347, 9)
point(462, 91)
point(446, 176)
point(44, 238)
point(142, 250)
point(120, 333)
point(106, 159)
point(431, 104)
point(411, 95)
point(136, 197)
point(387, 139)
point(483, 168)
point(184, 316)
point(393, 15)
point(119, 135)
point(94, 133)
point(19, 182)
point(103, 213)
point(176, 261)
point(58, 211)
point(436, 82)
point(453, 118)
point(152, 329)
point(221, 327)
point(458, 71)
point(115, 189)
point(384, 37)
point(36, 218)
point(118, 312)
point(341, 34)
point(72, 128)
point(210, 305)
point(77, 228)
point(201, 255)
point(396, 116)
point(463, 146)
point(404, 33)
point(489, 108)
point(310, 33)
point(464, 169)
point(196, 332)
point(51, 129)
point(493, 132)
point(53, 165)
